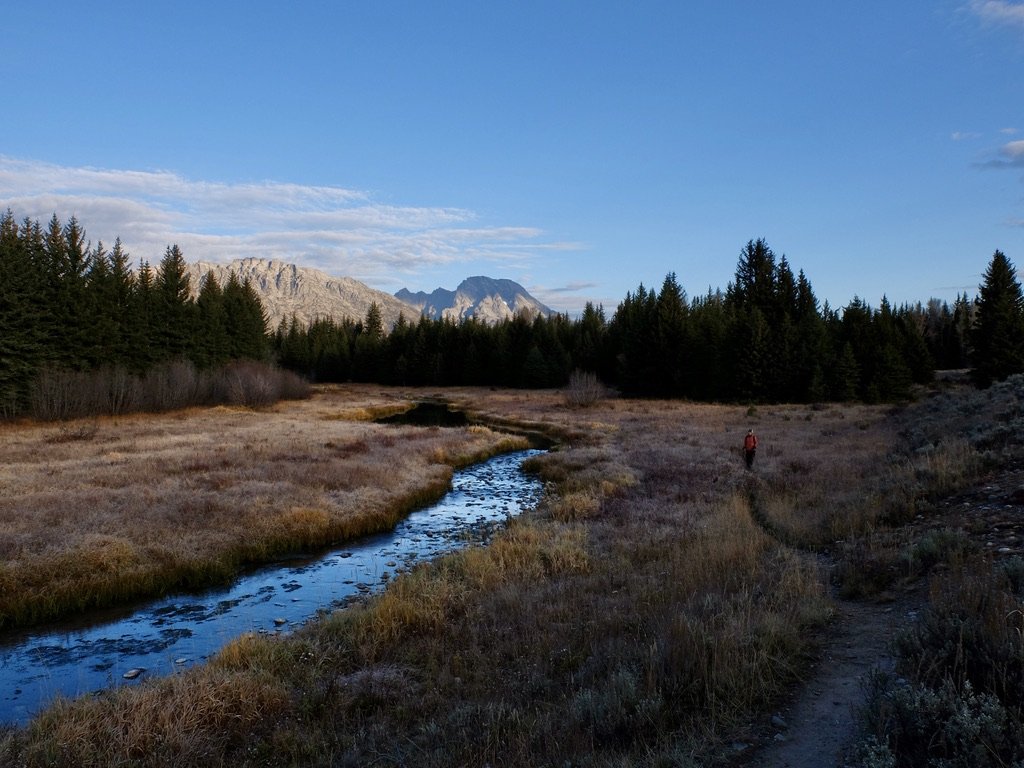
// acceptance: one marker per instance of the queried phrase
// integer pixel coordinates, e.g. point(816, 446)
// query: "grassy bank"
point(102, 511)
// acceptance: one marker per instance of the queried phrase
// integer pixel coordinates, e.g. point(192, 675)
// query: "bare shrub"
point(250, 384)
point(58, 393)
point(123, 391)
point(293, 386)
point(170, 386)
point(584, 389)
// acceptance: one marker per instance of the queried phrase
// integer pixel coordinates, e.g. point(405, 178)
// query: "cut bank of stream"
point(117, 646)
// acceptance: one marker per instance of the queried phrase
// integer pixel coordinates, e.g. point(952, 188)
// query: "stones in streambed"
point(131, 674)
point(779, 722)
point(279, 622)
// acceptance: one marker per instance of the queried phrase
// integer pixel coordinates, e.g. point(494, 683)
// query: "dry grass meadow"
point(101, 511)
point(660, 598)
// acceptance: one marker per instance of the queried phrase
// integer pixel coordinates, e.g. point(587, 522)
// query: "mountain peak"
point(485, 298)
point(308, 294)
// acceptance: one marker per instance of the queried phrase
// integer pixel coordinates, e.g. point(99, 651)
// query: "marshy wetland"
point(654, 608)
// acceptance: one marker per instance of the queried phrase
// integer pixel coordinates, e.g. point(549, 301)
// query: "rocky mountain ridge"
point(482, 297)
point(308, 294)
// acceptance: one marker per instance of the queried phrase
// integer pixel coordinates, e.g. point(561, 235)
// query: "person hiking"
point(749, 447)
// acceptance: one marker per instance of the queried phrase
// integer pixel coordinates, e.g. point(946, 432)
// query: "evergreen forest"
point(765, 338)
point(67, 306)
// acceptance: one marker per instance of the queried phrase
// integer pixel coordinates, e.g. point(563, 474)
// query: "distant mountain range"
point(485, 298)
point(287, 290)
point(308, 294)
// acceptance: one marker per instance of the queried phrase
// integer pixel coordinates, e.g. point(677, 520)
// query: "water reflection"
point(115, 646)
point(428, 414)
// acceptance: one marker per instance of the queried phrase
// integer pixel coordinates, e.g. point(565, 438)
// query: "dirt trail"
point(819, 725)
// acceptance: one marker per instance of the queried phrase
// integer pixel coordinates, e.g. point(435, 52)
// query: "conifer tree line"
point(66, 305)
point(766, 338)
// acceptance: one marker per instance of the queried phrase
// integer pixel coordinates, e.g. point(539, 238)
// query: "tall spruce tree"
point(998, 333)
point(670, 338)
point(212, 342)
point(140, 330)
point(245, 320)
point(122, 288)
point(23, 336)
point(174, 310)
point(70, 259)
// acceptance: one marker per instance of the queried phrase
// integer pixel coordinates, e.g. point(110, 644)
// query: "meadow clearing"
point(654, 606)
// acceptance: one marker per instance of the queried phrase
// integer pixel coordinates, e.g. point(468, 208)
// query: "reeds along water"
point(165, 636)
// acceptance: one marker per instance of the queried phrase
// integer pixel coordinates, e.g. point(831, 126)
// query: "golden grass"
point(652, 602)
point(212, 710)
point(150, 503)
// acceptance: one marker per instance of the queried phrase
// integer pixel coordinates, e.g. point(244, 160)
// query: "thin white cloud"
point(964, 135)
point(1013, 151)
point(341, 231)
point(574, 287)
point(566, 299)
point(1009, 131)
point(1010, 155)
point(999, 12)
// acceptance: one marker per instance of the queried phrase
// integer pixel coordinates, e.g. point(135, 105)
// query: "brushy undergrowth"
point(957, 697)
point(59, 394)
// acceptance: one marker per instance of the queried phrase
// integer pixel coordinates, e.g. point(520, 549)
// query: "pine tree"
point(633, 330)
point(708, 377)
point(998, 332)
point(589, 340)
point(141, 328)
point(174, 310)
point(211, 344)
point(103, 323)
point(810, 350)
point(122, 288)
point(367, 362)
point(23, 341)
point(245, 321)
point(755, 278)
point(69, 264)
point(670, 328)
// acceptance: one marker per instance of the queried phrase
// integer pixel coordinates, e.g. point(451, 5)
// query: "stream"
point(124, 645)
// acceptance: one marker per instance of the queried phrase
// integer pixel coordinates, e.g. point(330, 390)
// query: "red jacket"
point(750, 442)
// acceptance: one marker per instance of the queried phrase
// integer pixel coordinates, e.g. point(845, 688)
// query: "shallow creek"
point(122, 646)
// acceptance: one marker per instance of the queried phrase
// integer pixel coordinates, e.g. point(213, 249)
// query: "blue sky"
point(579, 148)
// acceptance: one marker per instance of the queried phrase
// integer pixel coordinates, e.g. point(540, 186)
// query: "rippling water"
point(118, 646)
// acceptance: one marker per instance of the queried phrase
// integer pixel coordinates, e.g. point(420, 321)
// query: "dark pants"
point(748, 454)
